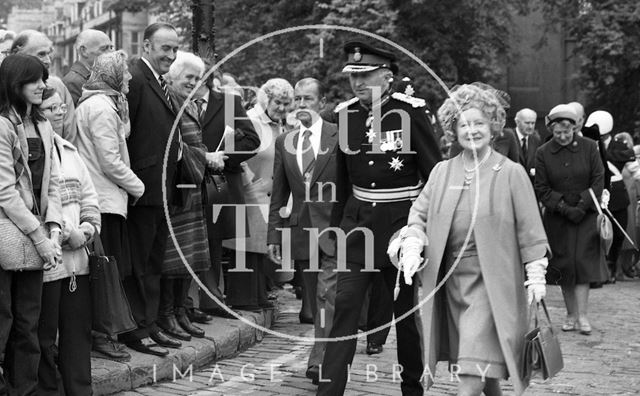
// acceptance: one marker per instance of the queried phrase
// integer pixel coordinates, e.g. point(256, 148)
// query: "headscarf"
point(106, 78)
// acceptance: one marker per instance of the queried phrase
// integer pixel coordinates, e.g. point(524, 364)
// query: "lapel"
point(291, 158)
point(154, 84)
point(213, 106)
point(328, 140)
point(447, 201)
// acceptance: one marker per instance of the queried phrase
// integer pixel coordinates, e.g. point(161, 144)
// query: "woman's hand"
point(215, 160)
point(48, 249)
point(536, 282)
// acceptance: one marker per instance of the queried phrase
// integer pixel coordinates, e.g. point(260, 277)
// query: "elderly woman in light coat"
point(480, 214)
point(275, 97)
point(103, 127)
point(28, 187)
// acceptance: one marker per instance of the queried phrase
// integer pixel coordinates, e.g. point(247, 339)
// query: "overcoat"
point(508, 233)
point(563, 170)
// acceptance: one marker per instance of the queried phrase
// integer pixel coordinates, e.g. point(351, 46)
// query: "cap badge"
point(357, 56)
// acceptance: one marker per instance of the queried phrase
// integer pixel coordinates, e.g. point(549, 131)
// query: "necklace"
point(468, 173)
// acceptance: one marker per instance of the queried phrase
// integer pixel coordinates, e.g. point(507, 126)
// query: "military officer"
point(387, 150)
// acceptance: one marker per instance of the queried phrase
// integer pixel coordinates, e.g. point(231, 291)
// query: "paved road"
point(604, 363)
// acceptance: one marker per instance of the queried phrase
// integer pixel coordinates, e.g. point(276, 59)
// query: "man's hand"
point(273, 251)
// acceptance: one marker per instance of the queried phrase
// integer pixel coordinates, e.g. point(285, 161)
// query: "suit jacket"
point(152, 118)
point(75, 79)
point(311, 205)
point(528, 159)
point(246, 139)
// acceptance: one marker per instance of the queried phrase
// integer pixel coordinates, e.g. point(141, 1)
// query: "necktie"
point(165, 89)
point(524, 147)
point(201, 110)
point(308, 156)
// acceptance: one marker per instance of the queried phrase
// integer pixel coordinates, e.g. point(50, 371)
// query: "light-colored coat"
point(16, 195)
point(508, 233)
point(79, 204)
point(101, 142)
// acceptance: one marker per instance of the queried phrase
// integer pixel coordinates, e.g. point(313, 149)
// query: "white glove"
point(604, 199)
point(411, 254)
point(536, 282)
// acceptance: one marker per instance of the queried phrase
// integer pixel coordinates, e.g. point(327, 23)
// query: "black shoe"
point(163, 340)
point(146, 345)
point(373, 348)
point(104, 348)
point(298, 291)
point(197, 316)
point(313, 373)
point(219, 312)
point(170, 326)
point(305, 319)
point(189, 327)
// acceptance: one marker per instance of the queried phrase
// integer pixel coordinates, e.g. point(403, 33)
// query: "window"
point(135, 44)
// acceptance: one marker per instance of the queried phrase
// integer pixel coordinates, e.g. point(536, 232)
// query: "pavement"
point(607, 362)
point(223, 338)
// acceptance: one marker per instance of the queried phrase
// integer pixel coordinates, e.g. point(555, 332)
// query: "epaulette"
point(415, 102)
point(345, 104)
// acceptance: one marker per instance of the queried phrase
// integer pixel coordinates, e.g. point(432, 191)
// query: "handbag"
point(17, 251)
point(541, 349)
point(605, 229)
point(111, 311)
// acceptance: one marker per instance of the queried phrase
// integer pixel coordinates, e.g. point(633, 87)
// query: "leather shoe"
point(163, 340)
point(170, 326)
point(102, 347)
point(373, 348)
point(304, 319)
point(313, 373)
point(189, 327)
point(146, 345)
point(219, 312)
point(197, 316)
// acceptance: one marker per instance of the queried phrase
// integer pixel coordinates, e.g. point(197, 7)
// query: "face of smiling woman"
point(473, 130)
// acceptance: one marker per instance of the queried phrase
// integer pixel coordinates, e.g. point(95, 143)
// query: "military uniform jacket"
point(390, 167)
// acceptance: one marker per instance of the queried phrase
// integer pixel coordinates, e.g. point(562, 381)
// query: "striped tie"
point(308, 156)
point(165, 89)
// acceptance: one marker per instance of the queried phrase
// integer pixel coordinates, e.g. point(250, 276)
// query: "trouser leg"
point(350, 292)
point(75, 337)
point(47, 333)
point(380, 311)
point(325, 302)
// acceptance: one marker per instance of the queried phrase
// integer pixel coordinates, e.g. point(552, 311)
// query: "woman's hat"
point(603, 119)
point(562, 112)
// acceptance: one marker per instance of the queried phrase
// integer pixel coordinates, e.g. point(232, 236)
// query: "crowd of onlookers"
point(95, 155)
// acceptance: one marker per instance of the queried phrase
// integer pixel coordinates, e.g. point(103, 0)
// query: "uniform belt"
point(383, 195)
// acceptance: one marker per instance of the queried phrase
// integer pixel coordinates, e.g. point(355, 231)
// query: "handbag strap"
point(595, 200)
point(97, 248)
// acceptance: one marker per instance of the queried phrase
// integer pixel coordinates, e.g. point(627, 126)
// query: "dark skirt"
point(115, 240)
point(190, 231)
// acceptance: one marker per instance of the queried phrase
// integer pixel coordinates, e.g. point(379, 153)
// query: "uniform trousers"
point(148, 232)
point(67, 315)
point(379, 311)
point(20, 301)
point(325, 301)
point(350, 293)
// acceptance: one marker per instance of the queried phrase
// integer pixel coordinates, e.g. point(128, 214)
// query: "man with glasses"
point(32, 42)
point(90, 44)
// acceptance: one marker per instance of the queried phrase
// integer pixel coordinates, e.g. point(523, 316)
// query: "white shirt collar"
point(520, 135)
point(315, 128)
point(155, 74)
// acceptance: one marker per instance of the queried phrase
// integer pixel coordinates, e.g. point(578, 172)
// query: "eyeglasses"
point(57, 108)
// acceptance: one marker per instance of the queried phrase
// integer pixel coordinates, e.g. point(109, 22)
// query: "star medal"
point(396, 164)
point(371, 135)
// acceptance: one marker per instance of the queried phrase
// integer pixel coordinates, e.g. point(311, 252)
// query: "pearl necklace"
point(468, 173)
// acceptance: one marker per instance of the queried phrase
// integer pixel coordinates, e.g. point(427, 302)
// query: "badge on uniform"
point(391, 140)
point(396, 164)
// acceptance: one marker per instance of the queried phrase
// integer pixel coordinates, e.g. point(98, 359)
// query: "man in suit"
point(528, 139)
point(90, 44)
point(32, 42)
point(152, 115)
point(387, 150)
point(304, 167)
point(223, 120)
